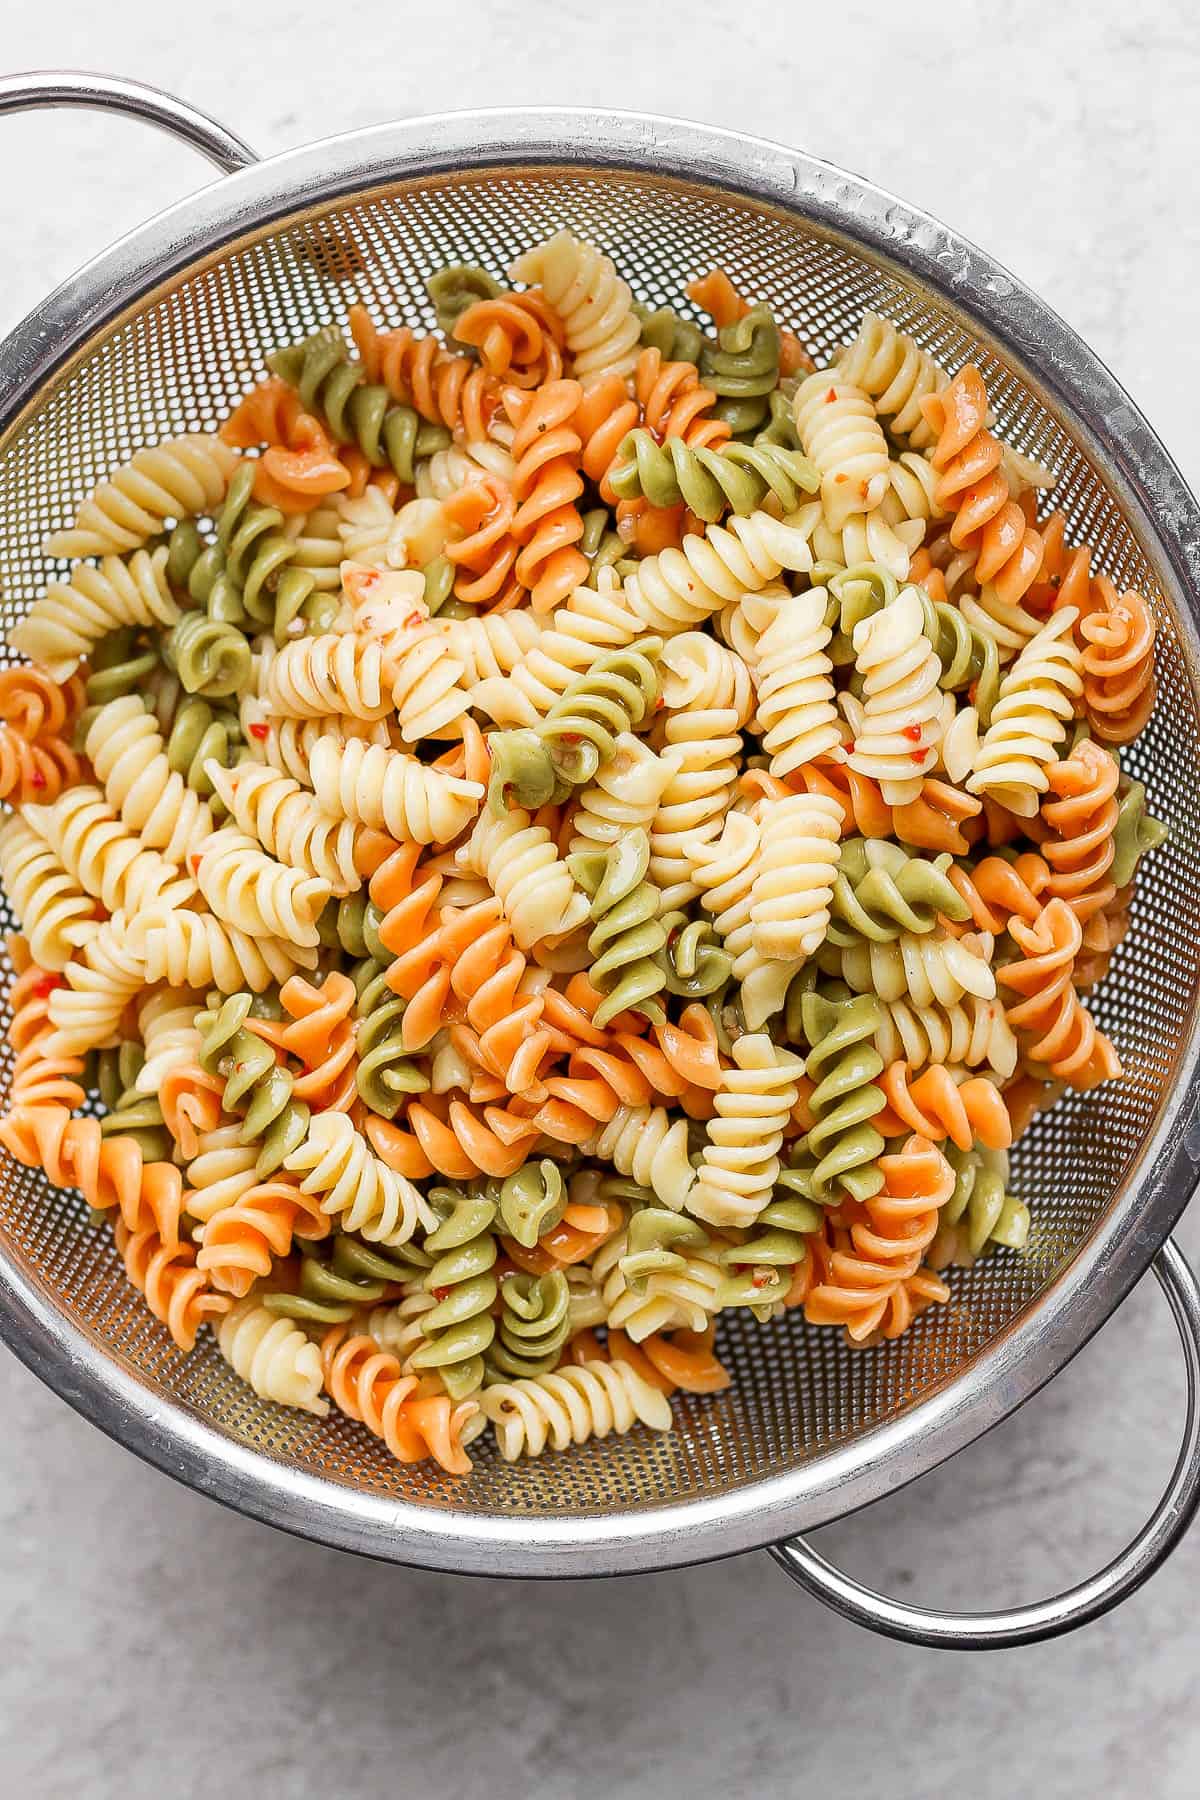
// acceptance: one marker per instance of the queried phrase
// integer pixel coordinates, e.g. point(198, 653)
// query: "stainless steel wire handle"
point(1008, 1627)
point(112, 93)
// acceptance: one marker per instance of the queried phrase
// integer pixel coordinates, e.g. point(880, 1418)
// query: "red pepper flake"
point(918, 756)
point(761, 1279)
point(659, 703)
point(194, 862)
point(830, 397)
point(46, 985)
point(414, 618)
point(841, 478)
point(37, 779)
point(572, 737)
point(851, 747)
point(441, 1293)
point(913, 733)
point(261, 732)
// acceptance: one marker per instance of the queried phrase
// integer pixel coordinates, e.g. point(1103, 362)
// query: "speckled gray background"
point(152, 1645)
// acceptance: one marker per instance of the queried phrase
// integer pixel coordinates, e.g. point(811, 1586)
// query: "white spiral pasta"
point(797, 713)
point(587, 1400)
point(289, 824)
point(1035, 704)
point(535, 889)
point(223, 1169)
point(359, 1190)
point(841, 436)
point(975, 1032)
point(740, 1161)
point(897, 742)
point(447, 472)
point(65, 622)
point(741, 624)
point(273, 1356)
point(250, 890)
point(364, 529)
point(677, 589)
point(287, 744)
point(596, 307)
point(624, 795)
point(398, 1328)
point(490, 648)
point(589, 623)
point(876, 537)
point(924, 968)
point(913, 491)
point(684, 1296)
point(170, 1039)
point(107, 859)
point(334, 673)
point(695, 671)
point(724, 871)
point(1007, 623)
point(426, 694)
point(646, 1145)
point(86, 1012)
point(188, 949)
point(799, 850)
point(56, 915)
point(176, 479)
point(127, 752)
point(391, 791)
point(896, 374)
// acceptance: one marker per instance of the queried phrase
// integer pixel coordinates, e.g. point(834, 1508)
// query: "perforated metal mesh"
point(797, 1393)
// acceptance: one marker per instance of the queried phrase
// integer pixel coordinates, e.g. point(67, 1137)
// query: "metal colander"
point(162, 334)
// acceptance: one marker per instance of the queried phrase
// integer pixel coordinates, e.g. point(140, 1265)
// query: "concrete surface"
point(153, 1645)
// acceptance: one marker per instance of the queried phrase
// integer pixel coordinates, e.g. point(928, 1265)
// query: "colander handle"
point(112, 93)
point(1077, 1605)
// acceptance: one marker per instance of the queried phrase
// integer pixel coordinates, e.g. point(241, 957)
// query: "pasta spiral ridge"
point(272, 1356)
point(333, 385)
point(737, 478)
point(65, 622)
point(1060, 1031)
point(128, 754)
point(391, 791)
point(289, 824)
point(740, 1161)
point(594, 304)
point(256, 1086)
point(897, 741)
point(518, 861)
point(973, 486)
point(359, 1189)
point(895, 374)
point(589, 1400)
point(546, 483)
point(248, 889)
point(459, 1330)
point(57, 916)
point(796, 710)
point(800, 848)
point(626, 934)
point(844, 1138)
point(842, 437)
point(174, 479)
point(1029, 720)
point(677, 589)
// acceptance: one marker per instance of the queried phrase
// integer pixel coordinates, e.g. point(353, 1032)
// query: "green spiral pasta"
point(201, 733)
point(460, 1328)
point(742, 368)
point(532, 1201)
point(653, 1241)
point(692, 959)
point(534, 1324)
point(844, 1063)
point(352, 925)
point(1136, 832)
point(627, 935)
point(121, 663)
point(210, 656)
point(386, 1073)
point(780, 426)
point(255, 1084)
point(736, 477)
point(201, 571)
point(675, 339)
point(980, 1214)
point(338, 1277)
point(333, 384)
point(438, 577)
point(456, 287)
point(615, 694)
point(761, 1267)
point(602, 545)
point(128, 1113)
point(970, 658)
point(880, 890)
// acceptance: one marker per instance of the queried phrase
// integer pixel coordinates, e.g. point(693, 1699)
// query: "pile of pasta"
point(542, 832)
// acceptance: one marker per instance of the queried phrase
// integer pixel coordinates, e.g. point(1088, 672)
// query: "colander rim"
point(1072, 381)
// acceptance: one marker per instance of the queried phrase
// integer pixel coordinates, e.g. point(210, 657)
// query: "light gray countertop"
point(151, 1644)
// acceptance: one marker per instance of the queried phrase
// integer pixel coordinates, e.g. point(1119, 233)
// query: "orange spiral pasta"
point(972, 486)
point(519, 337)
point(676, 403)
point(996, 890)
point(547, 449)
point(1119, 689)
point(38, 1078)
point(268, 414)
point(1053, 1022)
point(1082, 818)
point(936, 1106)
point(38, 770)
point(175, 1289)
point(299, 463)
point(602, 418)
point(35, 706)
point(420, 372)
point(672, 1362)
point(486, 971)
point(320, 1037)
point(577, 1236)
point(867, 1265)
point(190, 1100)
point(109, 1172)
point(1065, 578)
point(242, 1241)
point(486, 552)
point(367, 1384)
point(460, 1140)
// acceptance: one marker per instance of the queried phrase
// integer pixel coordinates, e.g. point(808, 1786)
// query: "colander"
point(161, 333)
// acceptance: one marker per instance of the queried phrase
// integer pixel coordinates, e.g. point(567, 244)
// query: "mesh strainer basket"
point(161, 334)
